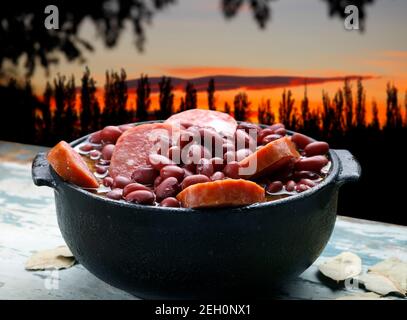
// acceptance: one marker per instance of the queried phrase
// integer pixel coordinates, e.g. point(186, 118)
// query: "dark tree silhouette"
point(286, 110)
point(24, 20)
point(121, 96)
point(393, 113)
point(143, 100)
point(241, 105)
point(264, 113)
point(360, 109)
point(182, 106)
point(260, 9)
point(71, 117)
point(226, 108)
point(375, 124)
point(46, 115)
point(166, 98)
point(211, 94)
point(347, 92)
point(89, 107)
point(191, 99)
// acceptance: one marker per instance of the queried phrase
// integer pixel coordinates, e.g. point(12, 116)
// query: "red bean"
point(217, 163)
point(231, 170)
point(157, 181)
point(274, 187)
point(187, 173)
point(301, 140)
point(229, 156)
point(141, 197)
point(290, 185)
point(95, 154)
point(167, 188)
point(228, 146)
point(108, 181)
point(189, 167)
point(249, 127)
point(172, 171)
point(194, 179)
point(101, 169)
point(281, 131)
point(110, 134)
point(115, 194)
point(307, 182)
point(134, 187)
point(174, 153)
point(301, 187)
point(277, 126)
point(205, 167)
point(144, 174)
point(270, 137)
point(86, 147)
point(218, 175)
point(158, 161)
point(170, 202)
point(194, 153)
point(243, 153)
point(187, 137)
point(315, 163)
point(96, 137)
point(120, 182)
point(264, 133)
point(211, 139)
point(107, 151)
point(244, 140)
point(316, 148)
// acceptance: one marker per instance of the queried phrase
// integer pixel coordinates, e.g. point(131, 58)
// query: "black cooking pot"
point(156, 252)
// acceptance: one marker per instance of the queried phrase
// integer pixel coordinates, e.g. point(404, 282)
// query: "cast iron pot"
point(155, 252)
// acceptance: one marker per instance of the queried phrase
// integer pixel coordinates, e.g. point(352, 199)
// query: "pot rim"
point(330, 178)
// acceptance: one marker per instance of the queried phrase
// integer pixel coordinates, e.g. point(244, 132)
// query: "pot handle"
point(349, 170)
point(41, 171)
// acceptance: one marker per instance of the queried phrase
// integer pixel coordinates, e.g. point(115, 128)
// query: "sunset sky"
point(192, 38)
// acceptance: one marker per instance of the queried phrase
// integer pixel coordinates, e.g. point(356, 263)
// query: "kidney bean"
point(218, 175)
point(205, 167)
point(96, 137)
point(86, 147)
point(103, 162)
point(125, 127)
point(172, 171)
point(301, 140)
point(110, 134)
point(157, 181)
point(120, 182)
point(170, 202)
point(211, 139)
point(290, 185)
point(301, 187)
point(194, 179)
point(270, 137)
point(108, 181)
point(249, 127)
point(244, 140)
point(217, 163)
point(189, 167)
point(107, 151)
point(307, 182)
point(94, 154)
point(228, 146)
point(141, 197)
point(134, 187)
point(174, 153)
point(243, 153)
point(229, 156)
point(277, 126)
point(101, 169)
point(115, 194)
point(158, 161)
point(194, 153)
point(316, 148)
point(144, 174)
point(298, 175)
point(231, 170)
point(265, 132)
point(281, 131)
point(187, 137)
point(274, 187)
point(167, 188)
point(315, 163)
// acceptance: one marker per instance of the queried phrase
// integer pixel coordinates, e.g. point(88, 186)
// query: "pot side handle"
point(350, 169)
point(41, 171)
